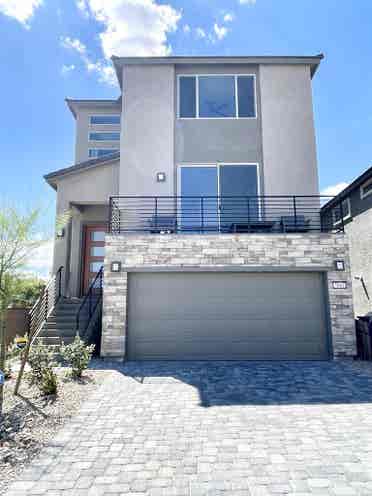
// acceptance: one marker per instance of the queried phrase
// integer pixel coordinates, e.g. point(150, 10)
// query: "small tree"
point(17, 243)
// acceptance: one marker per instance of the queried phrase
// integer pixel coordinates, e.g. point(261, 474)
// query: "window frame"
point(104, 115)
point(366, 183)
point(111, 151)
point(90, 140)
point(346, 217)
point(197, 113)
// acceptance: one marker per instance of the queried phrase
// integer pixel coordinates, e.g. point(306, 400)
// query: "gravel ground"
point(31, 420)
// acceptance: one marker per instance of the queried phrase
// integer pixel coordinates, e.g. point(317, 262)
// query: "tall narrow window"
point(246, 97)
point(187, 95)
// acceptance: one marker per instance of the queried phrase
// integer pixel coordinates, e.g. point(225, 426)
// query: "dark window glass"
point(104, 136)
point(341, 211)
point(187, 96)
point(105, 119)
point(246, 103)
point(100, 152)
point(367, 189)
point(217, 96)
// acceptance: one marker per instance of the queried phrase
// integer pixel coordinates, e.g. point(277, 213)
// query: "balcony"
point(220, 214)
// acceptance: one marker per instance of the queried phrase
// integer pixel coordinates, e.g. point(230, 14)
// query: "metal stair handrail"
point(39, 314)
point(89, 304)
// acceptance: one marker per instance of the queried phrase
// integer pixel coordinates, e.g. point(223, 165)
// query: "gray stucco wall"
point(281, 139)
point(147, 138)
point(301, 252)
point(200, 141)
point(81, 197)
point(289, 150)
point(359, 234)
point(83, 127)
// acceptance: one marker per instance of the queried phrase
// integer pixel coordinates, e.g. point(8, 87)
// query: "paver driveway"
point(215, 428)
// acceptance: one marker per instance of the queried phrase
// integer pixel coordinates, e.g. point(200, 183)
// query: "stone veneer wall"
point(226, 252)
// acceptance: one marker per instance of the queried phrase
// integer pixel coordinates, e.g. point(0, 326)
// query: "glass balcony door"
point(215, 197)
point(199, 204)
point(238, 190)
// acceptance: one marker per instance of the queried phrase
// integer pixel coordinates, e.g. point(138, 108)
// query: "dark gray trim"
point(75, 104)
point(349, 189)
point(328, 321)
point(313, 61)
point(225, 268)
point(87, 164)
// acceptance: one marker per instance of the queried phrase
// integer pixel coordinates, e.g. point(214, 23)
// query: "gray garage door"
point(226, 316)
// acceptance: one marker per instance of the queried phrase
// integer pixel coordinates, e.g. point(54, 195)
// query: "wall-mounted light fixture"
point(60, 233)
point(115, 266)
point(161, 177)
point(339, 265)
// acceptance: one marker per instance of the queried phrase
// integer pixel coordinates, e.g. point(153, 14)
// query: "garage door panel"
point(186, 316)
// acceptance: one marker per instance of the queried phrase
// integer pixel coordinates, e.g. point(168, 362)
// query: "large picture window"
point(217, 97)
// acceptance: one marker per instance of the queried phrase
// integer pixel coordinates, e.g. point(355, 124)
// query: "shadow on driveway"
point(257, 383)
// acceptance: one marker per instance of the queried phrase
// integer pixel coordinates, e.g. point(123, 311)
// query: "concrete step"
point(58, 332)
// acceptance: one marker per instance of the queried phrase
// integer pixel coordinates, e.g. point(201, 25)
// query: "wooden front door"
point(94, 253)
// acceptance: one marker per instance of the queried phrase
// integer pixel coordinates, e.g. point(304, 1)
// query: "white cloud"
point(40, 261)
point(247, 2)
point(21, 10)
point(200, 33)
point(186, 29)
point(83, 7)
point(220, 31)
point(229, 17)
point(134, 27)
point(67, 68)
point(334, 190)
point(105, 71)
point(74, 44)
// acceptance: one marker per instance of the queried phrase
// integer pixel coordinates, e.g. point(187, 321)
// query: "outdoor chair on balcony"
point(160, 224)
point(292, 224)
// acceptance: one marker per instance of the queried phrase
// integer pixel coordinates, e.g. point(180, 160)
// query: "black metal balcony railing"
point(223, 214)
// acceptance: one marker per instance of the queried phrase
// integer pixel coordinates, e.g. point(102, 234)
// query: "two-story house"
point(207, 220)
point(352, 209)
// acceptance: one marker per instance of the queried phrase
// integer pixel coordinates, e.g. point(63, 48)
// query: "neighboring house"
point(352, 208)
point(215, 248)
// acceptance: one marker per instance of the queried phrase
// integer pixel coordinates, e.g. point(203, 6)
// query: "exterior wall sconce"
point(339, 265)
point(60, 233)
point(161, 177)
point(115, 266)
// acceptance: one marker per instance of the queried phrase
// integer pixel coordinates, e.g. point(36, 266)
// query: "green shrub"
point(41, 361)
point(77, 355)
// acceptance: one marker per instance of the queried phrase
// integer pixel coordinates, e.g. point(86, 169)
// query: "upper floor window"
point(105, 119)
point(104, 136)
point(217, 97)
point(366, 189)
point(100, 152)
point(342, 211)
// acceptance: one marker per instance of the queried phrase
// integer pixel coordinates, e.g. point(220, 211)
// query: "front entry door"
point(94, 253)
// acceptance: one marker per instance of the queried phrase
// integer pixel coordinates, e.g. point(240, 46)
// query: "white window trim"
point(362, 194)
point(217, 165)
point(196, 76)
point(348, 216)
point(104, 115)
point(103, 141)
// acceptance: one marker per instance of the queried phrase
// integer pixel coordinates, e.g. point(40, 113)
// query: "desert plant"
point(41, 361)
point(77, 355)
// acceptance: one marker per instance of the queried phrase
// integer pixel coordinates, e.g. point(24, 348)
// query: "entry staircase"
point(56, 319)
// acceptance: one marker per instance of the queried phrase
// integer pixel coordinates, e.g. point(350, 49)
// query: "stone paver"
point(209, 429)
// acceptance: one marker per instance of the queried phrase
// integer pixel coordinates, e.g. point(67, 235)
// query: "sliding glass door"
point(238, 190)
point(199, 204)
point(217, 197)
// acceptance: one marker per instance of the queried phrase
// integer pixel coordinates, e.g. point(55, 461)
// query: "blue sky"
point(52, 49)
